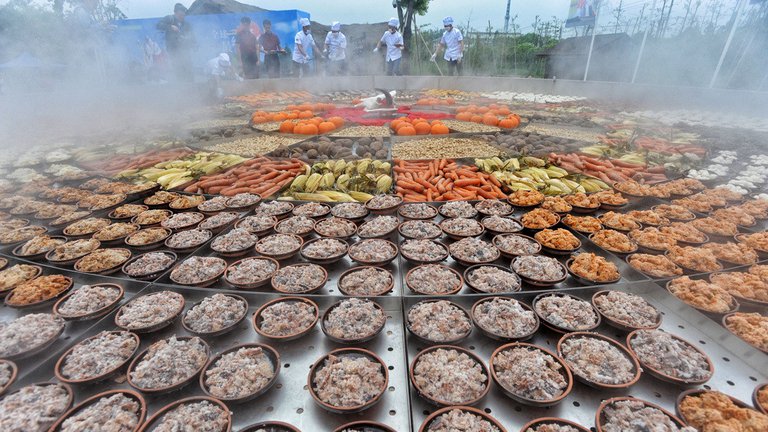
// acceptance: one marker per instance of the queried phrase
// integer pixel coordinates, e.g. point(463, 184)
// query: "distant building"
point(613, 58)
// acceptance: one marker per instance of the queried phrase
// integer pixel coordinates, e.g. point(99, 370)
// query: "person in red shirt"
point(248, 48)
point(270, 45)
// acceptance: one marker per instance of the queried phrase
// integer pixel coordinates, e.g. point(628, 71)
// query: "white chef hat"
point(224, 59)
point(335, 26)
point(304, 22)
point(393, 22)
point(448, 21)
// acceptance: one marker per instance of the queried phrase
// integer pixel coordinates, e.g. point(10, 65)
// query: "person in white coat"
point(336, 49)
point(393, 40)
point(304, 47)
point(453, 43)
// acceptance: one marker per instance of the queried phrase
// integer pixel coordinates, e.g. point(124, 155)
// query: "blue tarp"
point(214, 33)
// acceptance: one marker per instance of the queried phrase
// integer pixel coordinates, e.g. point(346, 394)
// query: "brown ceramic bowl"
point(170, 388)
point(149, 276)
point(281, 215)
point(36, 272)
point(495, 232)
point(67, 388)
point(246, 207)
point(696, 392)
point(467, 263)
point(189, 248)
point(628, 259)
point(353, 219)
point(147, 225)
point(12, 379)
point(510, 255)
point(251, 285)
point(555, 251)
point(499, 337)
point(326, 210)
point(260, 233)
point(669, 378)
point(118, 240)
point(619, 252)
point(272, 355)
point(271, 426)
point(152, 245)
point(381, 235)
point(107, 271)
point(438, 402)
point(418, 260)
point(508, 210)
point(281, 229)
point(454, 290)
point(365, 425)
point(725, 324)
point(96, 378)
point(469, 283)
point(432, 341)
point(458, 236)
point(741, 299)
point(384, 210)
point(692, 271)
point(324, 261)
point(655, 208)
point(257, 318)
point(372, 262)
point(92, 315)
point(3, 263)
point(156, 326)
point(147, 427)
point(620, 347)
point(353, 353)
point(438, 232)
point(761, 253)
point(552, 420)
point(67, 261)
point(319, 230)
point(755, 401)
point(734, 305)
point(479, 413)
point(379, 292)
point(617, 324)
point(586, 281)
point(600, 415)
point(234, 253)
point(405, 217)
point(544, 283)
point(564, 371)
point(217, 332)
point(359, 340)
point(560, 329)
point(203, 283)
point(10, 302)
point(33, 257)
point(111, 214)
point(319, 285)
point(282, 256)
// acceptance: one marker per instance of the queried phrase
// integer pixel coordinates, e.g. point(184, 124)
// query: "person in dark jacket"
point(179, 42)
point(270, 45)
point(248, 47)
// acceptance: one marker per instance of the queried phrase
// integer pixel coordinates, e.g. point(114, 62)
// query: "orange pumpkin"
point(406, 130)
point(258, 119)
point(306, 114)
point(515, 122)
point(326, 127)
point(338, 121)
point(506, 124)
point(316, 121)
point(395, 123)
point(464, 116)
point(490, 120)
point(309, 129)
point(422, 128)
point(439, 129)
point(287, 126)
point(476, 119)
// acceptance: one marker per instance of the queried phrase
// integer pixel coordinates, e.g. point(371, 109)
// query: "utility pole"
point(506, 17)
point(661, 19)
point(666, 20)
point(617, 14)
point(727, 42)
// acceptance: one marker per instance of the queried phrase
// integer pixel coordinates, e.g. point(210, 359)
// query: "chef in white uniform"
point(453, 43)
point(304, 47)
point(393, 40)
point(336, 48)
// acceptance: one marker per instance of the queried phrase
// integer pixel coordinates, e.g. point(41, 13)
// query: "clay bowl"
point(242, 208)
point(755, 401)
point(259, 233)
point(696, 392)
point(505, 338)
point(734, 305)
point(92, 315)
point(271, 426)
point(439, 342)
point(496, 239)
point(495, 232)
point(12, 379)
point(308, 290)
point(617, 324)
point(67, 388)
point(9, 298)
point(220, 331)
point(440, 403)
point(382, 291)
point(359, 340)
point(353, 353)
point(355, 219)
point(552, 420)
point(282, 256)
point(378, 210)
point(203, 283)
point(600, 415)
point(320, 228)
point(146, 427)
point(298, 210)
point(151, 245)
point(474, 288)
point(189, 248)
point(257, 318)
point(421, 260)
point(480, 413)
point(255, 284)
point(557, 328)
point(33, 257)
point(97, 378)
point(111, 214)
point(109, 270)
point(373, 262)
point(586, 281)
point(541, 282)
point(458, 236)
point(564, 371)
point(467, 263)
point(725, 324)
point(668, 378)
point(380, 235)
point(406, 216)
point(156, 326)
point(67, 261)
point(149, 276)
point(272, 355)
point(37, 271)
point(172, 387)
point(364, 425)
point(506, 208)
point(417, 290)
point(620, 347)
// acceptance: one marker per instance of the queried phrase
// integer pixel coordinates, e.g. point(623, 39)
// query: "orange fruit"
point(464, 116)
point(316, 120)
point(258, 119)
point(309, 129)
point(476, 119)
point(287, 126)
point(439, 129)
point(338, 121)
point(490, 120)
point(422, 128)
point(406, 130)
point(326, 127)
point(306, 114)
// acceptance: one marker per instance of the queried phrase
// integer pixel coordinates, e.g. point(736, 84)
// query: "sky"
point(476, 12)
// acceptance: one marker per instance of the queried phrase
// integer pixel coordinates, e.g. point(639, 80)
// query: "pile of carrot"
point(663, 146)
point(608, 170)
point(443, 180)
point(263, 176)
point(117, 163)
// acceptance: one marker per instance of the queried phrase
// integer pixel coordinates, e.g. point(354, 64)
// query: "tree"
point(405, 11)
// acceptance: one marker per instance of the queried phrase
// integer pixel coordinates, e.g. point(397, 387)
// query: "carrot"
point(427, 185)
point(467, 182)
